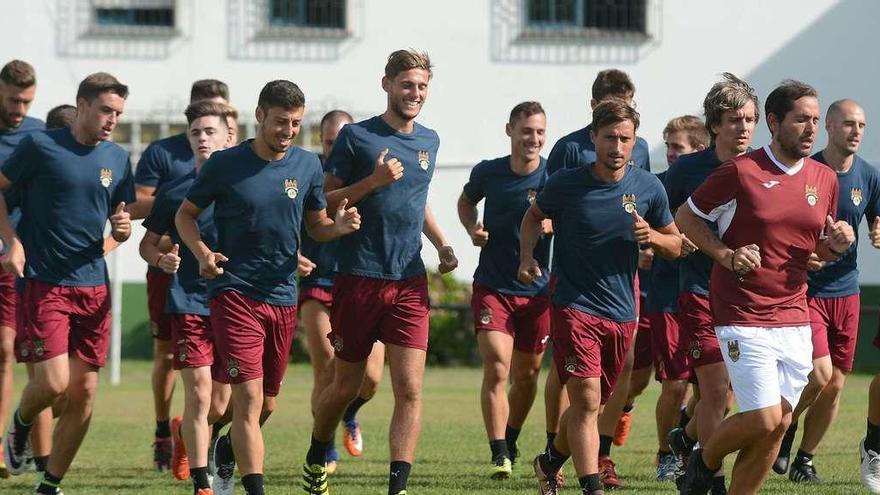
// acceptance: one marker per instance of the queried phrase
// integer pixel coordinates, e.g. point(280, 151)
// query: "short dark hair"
point(781, 100)
point(205, 89)
point(525, 110)
point(18, 73)
point(728, 95)
point(281, 93)
point(100, 82)
point(336, 116)
point(692, 126)
point(613, 111)
point(60, 116)
point(612, 83)
point(404, 60)
point(206, 108)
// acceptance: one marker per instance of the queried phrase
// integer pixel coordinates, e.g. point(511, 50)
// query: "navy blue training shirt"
point(69, 190)
point(188, 291)
point(323, 255)
point(259, 207)
point(389, 243)
point(596, 254)
point(9, 139)
point(859, 197)
point(663, 280)
point(577, 149)
point(165, 160)
point(508, 197)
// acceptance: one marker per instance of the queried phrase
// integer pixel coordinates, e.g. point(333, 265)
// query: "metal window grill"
point(153, 17)
point(307, 13)
point(610, 15)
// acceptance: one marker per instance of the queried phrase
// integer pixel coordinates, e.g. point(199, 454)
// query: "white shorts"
point(766, 364)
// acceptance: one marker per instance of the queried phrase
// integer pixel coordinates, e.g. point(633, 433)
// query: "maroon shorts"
point(371, 309)
point(323, 295)
point(526, 319)
point(59, 320)
point(587, 346)
point(671, 361)
point(644, 356)
point(835, 323)
point(253, 338)
point(193, 341)
point(696, 330)
point(8, 301)
point(157, 293)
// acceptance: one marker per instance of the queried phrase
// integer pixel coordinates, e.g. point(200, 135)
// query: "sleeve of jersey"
point(125, 190)
point(340, 163)
point(475, 187)
point(150, 166)
point(160, 218)
point(549, 199)
point(716, 194)
point(557, 158)
point(659, 215)
point(21, 165)
point(645, 164)
point(314, 199)
point(203, 191)
point(873, 208)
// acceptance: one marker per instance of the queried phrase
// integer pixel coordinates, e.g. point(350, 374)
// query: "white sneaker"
point(870, 468)
point(224, 478)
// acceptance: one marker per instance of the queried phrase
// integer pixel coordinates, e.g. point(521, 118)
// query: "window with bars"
point(589, 16)
point(326, 14)
point(133, 17)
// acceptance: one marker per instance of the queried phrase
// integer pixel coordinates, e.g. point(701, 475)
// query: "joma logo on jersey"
point(424, 160)
point(291, 188)
point(532, 194)
point(856, 195)
point(106, 177)
point(629, 203)
point(812, 195)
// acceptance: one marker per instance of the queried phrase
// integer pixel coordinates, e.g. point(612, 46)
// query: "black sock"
point(253, 484)
point(215, 430)
point(317, 452)
point(49, 484)
point(511, 434)
point(398, 475)
point(199, 477)
point(872, 437)
point(40, 462)
point(628, 408)
point(352, 409)
point(552, 460)
point(683, 418)
point(223, 452)
point(20, 425)
point(163, 429)
point(701, 464)
point(806, 456)
point(787, 441)
point(661, 452)
point(688, 441)
point(605, 445)
point(499, 449)
point(551, 435)
point(590, 484)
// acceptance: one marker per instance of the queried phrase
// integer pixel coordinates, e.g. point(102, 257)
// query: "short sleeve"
point(644, 155)
point(341, 161)
point(658, 214)
point(161, 217)
point(152, 166)
point(125, 190)
point(21, 165)
point(549, 199)
point(717, 194)
point(872, 210)
point(204, 190)
point(561, 157)
point(314, 199)
point(475, 189)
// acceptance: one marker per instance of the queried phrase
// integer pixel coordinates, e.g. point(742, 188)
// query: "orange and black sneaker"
point(4, 472)
point(353, 441)
point(179, 461)
point(608, 473)
point(204, 491)
point(621, 431)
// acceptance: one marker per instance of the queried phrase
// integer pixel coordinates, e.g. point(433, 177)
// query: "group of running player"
point(732, 274)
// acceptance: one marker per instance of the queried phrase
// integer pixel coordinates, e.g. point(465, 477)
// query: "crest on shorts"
point(485, 316)
point(424, 160)
point(812, 195)
point(106, 177)
point(532, 194)
point(695, 350)
point(570, 364)
point(232, 368)
point(337, 343)
point(629, 203)
point(856, 195)
point(154, 328)
point(733, 350)
point(181, 350)
point(291, 188)
point(39, 347)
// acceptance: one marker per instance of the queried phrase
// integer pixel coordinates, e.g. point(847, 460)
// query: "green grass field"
point(451, 459)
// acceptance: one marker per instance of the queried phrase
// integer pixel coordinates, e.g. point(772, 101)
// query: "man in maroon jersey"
point(774, 207)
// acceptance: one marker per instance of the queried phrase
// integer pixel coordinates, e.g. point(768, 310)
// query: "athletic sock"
point(398, 475)
point(628, 408)
point(591, 484)
point(511, 435)
point(499, 449)
point(49, 484)
point(661, 452)
point(317, 452)
point(688, 441)
point(40, 463)
point(552, 460)
point(20, 425)
point(805, 456)
point(872, 437)
point(352, 409)
point(551, 435)
point(215, 430)
point(163, 429)
point(253, 484)
point(605, 445)
point(683, 418)
point(199, 477)
point(787, 441)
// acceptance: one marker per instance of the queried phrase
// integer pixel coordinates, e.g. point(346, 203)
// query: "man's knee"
point(7, 346)
point(822, 371)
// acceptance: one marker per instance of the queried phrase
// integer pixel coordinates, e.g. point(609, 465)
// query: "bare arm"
point(186, 221)
point(448, 260)
point(383, 174)
point(468, 216)
point(14, 260)
point(151, 251)
point(740, 261)
point(667, 242)
point(839, 236)
point(322, 228)
point(144, 204)
point(529, 232)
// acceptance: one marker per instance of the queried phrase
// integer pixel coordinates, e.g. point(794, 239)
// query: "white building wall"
point(480, 72)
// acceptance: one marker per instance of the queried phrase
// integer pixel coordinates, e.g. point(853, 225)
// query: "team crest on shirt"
point(106, 177)
point(570, 364)
point(695, 350)
point(232, 368)
point(291, 188)
point(532, 194)
point(629, 203)
point(733, 350)
point(812, 195)
point(856, 195)
point(485, 316)
point(424, 160)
